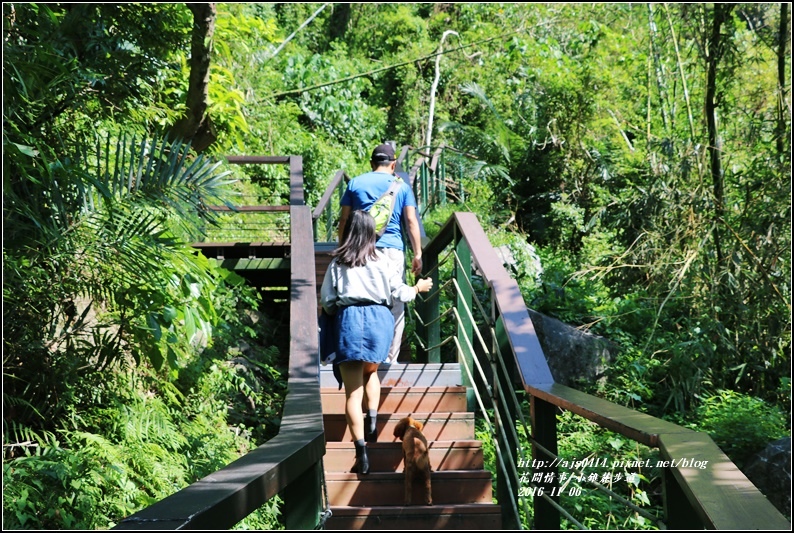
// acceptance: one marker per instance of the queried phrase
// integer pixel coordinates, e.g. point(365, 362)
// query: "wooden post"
point(544, 431)
point(303, 500)
point(678, 512)
point(296, 180)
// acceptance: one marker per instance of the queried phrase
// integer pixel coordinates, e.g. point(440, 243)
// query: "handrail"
point(430, 188)
point(324, 208)
point(336, 181)
point(717, 497)
point(290, 463)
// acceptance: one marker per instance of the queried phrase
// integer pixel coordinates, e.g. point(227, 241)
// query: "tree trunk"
point(781, 79)
point(338, 22)
point(714, 53)
point(196, 125)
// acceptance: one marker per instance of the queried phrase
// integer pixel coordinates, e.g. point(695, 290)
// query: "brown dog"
point(417, 463)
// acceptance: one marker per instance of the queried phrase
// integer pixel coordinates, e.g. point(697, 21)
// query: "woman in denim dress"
point(359, 289)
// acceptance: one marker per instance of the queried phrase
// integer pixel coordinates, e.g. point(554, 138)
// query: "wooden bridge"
point(489, 370)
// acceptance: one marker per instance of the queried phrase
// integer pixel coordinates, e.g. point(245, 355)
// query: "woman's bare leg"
point(353, 378)
point(371, 386)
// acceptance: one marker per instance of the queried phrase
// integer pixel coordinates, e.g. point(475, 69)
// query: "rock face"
point(770, 471)
point(574, 356)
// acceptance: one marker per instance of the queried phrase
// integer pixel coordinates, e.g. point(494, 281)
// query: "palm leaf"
point(111, 215)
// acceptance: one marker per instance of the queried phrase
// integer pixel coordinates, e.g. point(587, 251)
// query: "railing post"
point(428, 327)
point(461, 192)
point(464, 301)
point(505, 440)
point(678, 512)
point(296, 193)
point(303, 500)
point(328, 217)
point(329, 212)
point(432, 312)
point(340, 192)
point(432, 199)
point(442, 191)
point(544, 432)
point(423, 171)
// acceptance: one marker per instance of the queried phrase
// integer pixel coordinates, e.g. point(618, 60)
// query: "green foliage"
point(126, 443)
point(339, 109)
point(99, 273)
point(241, 43)
point(60, 488)
point(266, 518)
point(581, 136)
point(741, 425)
point(381, 32)
point(589, 453)
point(67, 62)
point(630, 380)
point(110, 224)
point(618, 464)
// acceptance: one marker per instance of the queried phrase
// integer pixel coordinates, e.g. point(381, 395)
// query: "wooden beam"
point(296, 196)
point(248, 208)
point(717, 492)
point(257, 159)
point(329, 191)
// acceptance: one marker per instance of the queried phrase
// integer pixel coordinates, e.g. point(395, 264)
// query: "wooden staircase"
point(462, 488)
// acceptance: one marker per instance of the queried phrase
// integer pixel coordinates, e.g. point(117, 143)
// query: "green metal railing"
point(481, 322)
point(428, 179)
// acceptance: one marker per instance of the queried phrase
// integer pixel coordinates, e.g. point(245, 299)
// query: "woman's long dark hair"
point(358, 240)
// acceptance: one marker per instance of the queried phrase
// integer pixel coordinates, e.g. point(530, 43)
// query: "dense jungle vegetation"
point(635, 158)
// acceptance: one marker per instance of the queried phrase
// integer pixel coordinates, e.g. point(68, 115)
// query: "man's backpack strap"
point(380, 211)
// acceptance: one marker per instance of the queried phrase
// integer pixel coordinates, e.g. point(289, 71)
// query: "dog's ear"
point(399, 429)
point(418, 425)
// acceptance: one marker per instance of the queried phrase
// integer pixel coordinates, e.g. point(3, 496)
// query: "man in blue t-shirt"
point(363, 191)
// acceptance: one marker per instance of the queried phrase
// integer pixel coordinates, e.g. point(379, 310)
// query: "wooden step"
point(388, 456)
point(387, 488)
point(406, 375)
point(243, 250)
point(403, 399)
point(438, 426)
point(476, 516)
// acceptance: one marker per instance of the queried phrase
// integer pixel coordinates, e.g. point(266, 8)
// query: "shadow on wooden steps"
point(466, 517)
point(462, 488)
point(388, 456)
